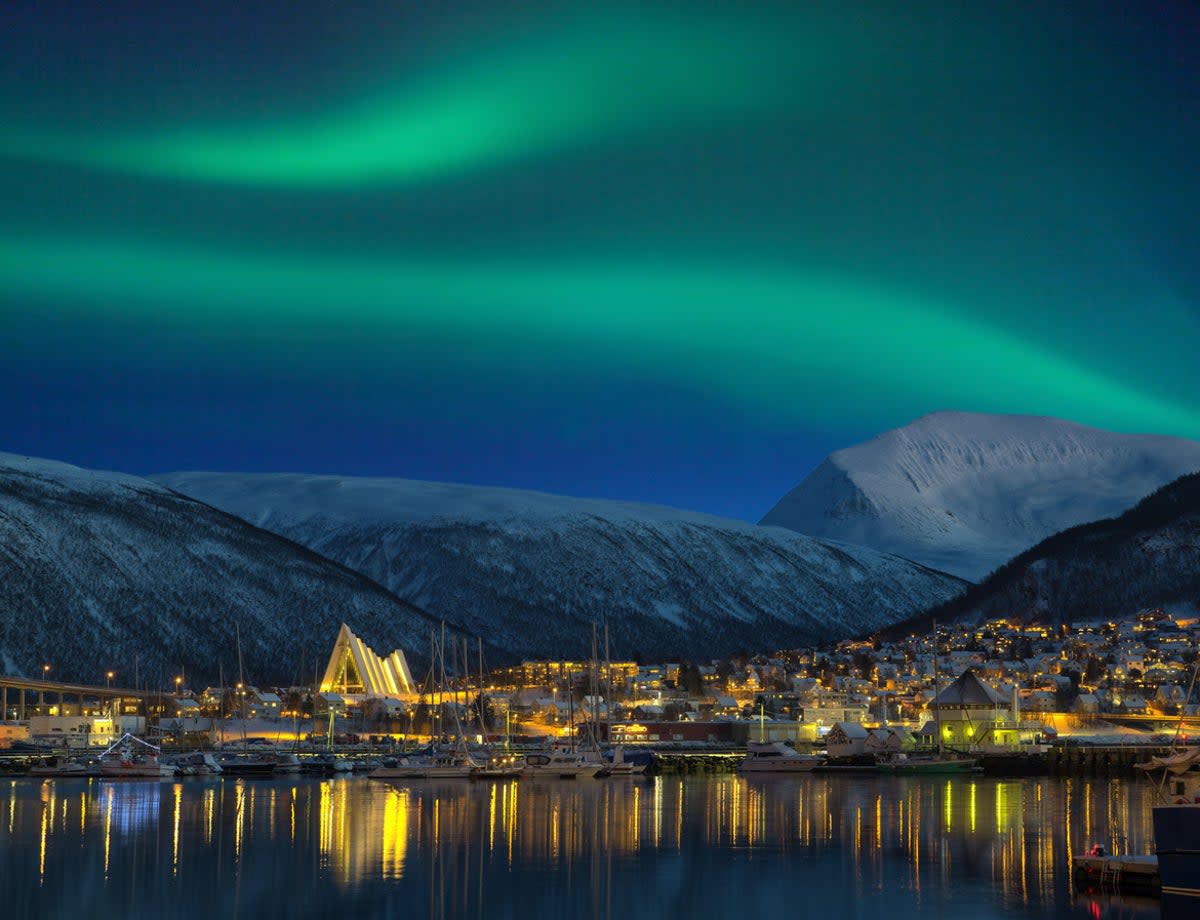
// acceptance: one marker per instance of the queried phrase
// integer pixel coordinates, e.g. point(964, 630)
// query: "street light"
point(108, 676)
point(178, 683)
point(45, 671)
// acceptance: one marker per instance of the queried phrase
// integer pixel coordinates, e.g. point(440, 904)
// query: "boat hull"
point(418, 772)
point(1177, 842)
point(781, 765)
point(929, 767)
point(136, 771)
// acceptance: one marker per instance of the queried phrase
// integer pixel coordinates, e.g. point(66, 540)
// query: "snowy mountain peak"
point(964, 492)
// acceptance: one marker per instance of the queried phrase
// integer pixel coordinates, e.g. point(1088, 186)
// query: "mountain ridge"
point(98, 569)
point(534, 570)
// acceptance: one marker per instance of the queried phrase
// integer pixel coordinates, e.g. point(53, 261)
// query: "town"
point(1000, 687)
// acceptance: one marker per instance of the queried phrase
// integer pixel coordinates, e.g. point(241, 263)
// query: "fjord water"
point(816, 845)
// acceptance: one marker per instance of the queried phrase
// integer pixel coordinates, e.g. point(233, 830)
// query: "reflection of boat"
point(132, 758)
point(907, 764)
point(776, 757)
point(1177, 820)
point(63, 767)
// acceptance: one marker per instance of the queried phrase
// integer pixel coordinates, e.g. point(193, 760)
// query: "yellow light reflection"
point(175, 830)
point(394, 837)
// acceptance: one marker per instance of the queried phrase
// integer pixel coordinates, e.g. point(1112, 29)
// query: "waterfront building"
point(973, 716)
point(74, 730)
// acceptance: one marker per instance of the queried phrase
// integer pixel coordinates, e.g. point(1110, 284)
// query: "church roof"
point(968, 690)
point(354, 667)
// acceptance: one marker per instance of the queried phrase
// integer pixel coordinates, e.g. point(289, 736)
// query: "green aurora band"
point(595, 79)
point(765, 337)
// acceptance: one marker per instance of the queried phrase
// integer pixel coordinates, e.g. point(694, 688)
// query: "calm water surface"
point(844, 846)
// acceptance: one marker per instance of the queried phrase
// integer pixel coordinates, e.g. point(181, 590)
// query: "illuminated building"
point(355, 670)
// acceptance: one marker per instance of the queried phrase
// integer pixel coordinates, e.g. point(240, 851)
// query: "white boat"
point(500, 766)
point(132, 758)
point(326, 765)
point(560, 765)
point(455, 764)
point(197, 763)
point(285, 763)
point(63, 767)
point(776, 757)
point(619, 766)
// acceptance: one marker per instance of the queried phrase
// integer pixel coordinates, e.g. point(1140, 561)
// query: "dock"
point(1117, 873)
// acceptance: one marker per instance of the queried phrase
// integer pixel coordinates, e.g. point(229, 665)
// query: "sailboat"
point(497, 764)
point(454, 762)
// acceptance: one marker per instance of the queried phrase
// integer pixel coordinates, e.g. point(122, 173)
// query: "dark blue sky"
point(653, 252)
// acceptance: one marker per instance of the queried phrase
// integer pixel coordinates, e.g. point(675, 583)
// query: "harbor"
point(704, 843)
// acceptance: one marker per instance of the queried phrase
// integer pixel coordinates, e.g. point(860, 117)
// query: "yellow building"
point(355, 670)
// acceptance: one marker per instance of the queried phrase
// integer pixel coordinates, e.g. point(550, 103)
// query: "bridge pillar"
point(21, 706)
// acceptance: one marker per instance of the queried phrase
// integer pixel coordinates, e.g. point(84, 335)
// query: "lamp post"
point(108, 676)
point(45, 672)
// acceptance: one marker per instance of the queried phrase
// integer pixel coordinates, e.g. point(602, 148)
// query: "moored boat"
point(456, 764)
point(500, 766)
point(776, 757)
point(909, 764)
point(1177, 820)
point(132, 758)
point(560, 765)
point(197, 763)
point(64, 767)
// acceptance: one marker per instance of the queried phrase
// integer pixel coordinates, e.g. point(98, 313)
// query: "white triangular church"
point(355, 670)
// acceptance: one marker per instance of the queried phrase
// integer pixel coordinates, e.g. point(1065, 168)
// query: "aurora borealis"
point(664, 252)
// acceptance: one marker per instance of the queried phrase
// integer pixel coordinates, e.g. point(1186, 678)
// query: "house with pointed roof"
point(973, 716)
point(354, 670)
point(846, 739)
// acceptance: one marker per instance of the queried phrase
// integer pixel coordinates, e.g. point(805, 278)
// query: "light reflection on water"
point(853, 845)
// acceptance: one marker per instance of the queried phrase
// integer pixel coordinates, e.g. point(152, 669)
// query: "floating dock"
point(1117, 873)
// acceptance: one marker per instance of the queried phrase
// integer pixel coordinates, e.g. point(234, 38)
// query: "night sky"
point(664, 252)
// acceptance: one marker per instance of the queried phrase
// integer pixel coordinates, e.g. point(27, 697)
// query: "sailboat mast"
point(608, 685)
point(482, 722)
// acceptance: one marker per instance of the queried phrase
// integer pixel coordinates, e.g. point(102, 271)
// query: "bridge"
point(15, 695)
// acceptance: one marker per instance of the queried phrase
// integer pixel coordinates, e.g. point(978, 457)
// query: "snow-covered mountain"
point(532, 572)
point(1147, 557)
point(964, 492)
point(97, 569)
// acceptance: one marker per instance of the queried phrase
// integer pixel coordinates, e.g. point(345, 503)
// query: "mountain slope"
point(1147, 557)
point(964, 492)
point(531, 572)
point(97, 568)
